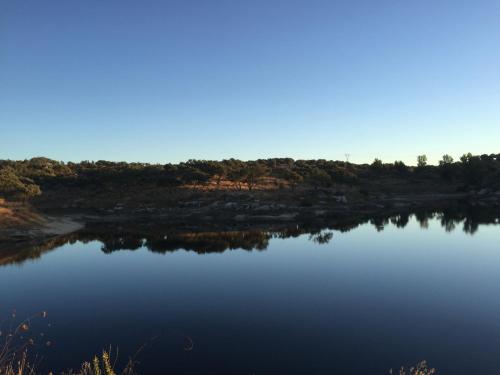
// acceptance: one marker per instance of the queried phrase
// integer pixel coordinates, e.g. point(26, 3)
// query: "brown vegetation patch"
point(18, 214)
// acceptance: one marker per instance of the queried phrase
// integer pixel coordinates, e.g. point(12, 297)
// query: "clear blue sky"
point(165, 81)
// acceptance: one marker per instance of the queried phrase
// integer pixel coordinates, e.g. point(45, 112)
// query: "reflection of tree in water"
point(401, 220)
point(450, 218)
point(321, 238)
point(210, 242)
point(16, 254)
point(213, 242)
point(379, 223)
point(423, 218)
point(160, 239)
point(200, 242)
point(207, 242)
point(121, 243)
point(448, 225)
point(471, 218)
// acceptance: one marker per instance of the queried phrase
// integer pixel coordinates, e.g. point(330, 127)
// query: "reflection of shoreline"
point(236, 215)
point(162, 238)
point(20, 253)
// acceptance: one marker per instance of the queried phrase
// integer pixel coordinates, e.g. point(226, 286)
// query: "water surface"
point(384, 294)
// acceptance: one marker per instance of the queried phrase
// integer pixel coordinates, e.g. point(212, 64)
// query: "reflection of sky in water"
point(365, 301)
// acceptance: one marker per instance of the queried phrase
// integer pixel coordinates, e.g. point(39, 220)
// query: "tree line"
point(28, 178)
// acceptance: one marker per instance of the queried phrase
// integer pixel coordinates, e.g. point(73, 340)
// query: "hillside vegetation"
point(237, 191)
point(30, 178)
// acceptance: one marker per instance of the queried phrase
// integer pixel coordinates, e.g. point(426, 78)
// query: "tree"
point(292, 177)
point(319, 177)
point(237, 176)
point(220, 172)
point(377, 164)
point(446, 160)
point(193, 176)
point(13, 186)
point(421, 161)
point(466, 158)
point(253, 172)
point(475, 170)
point(446, 167)
point(400, 166)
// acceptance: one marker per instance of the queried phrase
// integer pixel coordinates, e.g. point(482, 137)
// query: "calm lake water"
point(381, 295)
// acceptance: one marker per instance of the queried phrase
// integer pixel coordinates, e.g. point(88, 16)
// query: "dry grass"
point(18, 366)
point(102, 365)
point(17, 339)
point(420, 369)
point(14, 346)
point(15, 214)
point(14, 358)
point(263, 184)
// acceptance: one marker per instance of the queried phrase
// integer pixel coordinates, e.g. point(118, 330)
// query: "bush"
point(13, 186)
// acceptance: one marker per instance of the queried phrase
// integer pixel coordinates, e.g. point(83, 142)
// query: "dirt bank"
point(21, 223)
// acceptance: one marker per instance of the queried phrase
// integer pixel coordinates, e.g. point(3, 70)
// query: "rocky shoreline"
point(238, 213)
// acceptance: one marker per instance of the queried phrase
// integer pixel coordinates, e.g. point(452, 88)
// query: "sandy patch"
point(60, 226)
